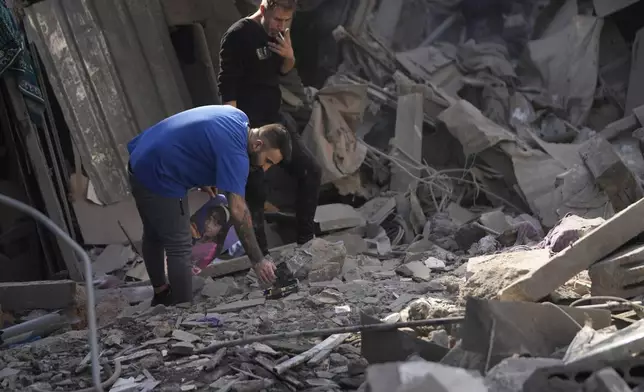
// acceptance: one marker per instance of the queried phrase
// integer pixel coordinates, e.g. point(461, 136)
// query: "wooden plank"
point(594, 246)
point(37, 157)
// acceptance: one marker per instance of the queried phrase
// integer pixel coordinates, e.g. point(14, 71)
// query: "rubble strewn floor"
point(146, 339)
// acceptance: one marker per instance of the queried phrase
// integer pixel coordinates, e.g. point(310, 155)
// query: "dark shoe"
point(162, 298)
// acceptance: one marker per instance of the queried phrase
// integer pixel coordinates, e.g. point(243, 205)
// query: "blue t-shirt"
point(204, 146)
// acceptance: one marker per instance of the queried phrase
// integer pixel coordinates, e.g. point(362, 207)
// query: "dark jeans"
point(166, 227)
point(307, 173)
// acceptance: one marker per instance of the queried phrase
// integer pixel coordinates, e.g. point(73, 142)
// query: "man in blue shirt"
point(205, 147)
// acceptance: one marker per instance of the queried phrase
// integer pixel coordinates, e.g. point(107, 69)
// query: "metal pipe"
point(35, 326)
point(331, 331)
point(91, 305)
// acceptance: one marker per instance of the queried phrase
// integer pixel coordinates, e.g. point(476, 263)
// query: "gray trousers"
point(166, 227)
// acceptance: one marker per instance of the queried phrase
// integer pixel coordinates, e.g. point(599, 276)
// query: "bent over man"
point(255, 51)
point(209, 146)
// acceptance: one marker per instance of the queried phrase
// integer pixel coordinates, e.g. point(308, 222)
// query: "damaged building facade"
point(482, 183)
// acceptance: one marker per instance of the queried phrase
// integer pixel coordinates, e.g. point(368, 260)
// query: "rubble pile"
point(160, 347)
point(499, 157)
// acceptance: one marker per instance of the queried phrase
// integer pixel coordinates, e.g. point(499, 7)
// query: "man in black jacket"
point(255, 52)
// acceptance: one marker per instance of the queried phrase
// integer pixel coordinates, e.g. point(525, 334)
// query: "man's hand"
point(283, 47)
point(265, 271)
point(210, 190)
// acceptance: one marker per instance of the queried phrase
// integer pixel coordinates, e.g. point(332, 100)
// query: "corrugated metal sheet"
point(114, 72)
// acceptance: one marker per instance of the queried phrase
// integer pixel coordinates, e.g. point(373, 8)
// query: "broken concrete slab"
point(537, 330)
point(421, 376)
point(495, 220)
point(629, 123)
point(391, 346)
point(354, 243)
point(182, 348)
point(221, 287)
point(606, 380)
point(113, 257)
point(47, 295)
point(460, 215)
point(610, 173)
point(624, 344)
point(459, 357)
point(421, 250)
point(488, 275)
point(435, 264)
point(620, 275)
point(332, 217)
point(401, 302)
point(511, 373)
point(594, 246)
point(416, 270)
point(376, 210)
point(184, 336)
point(408, 141)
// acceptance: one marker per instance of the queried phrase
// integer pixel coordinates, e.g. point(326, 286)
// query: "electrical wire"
point(434, 176)
point(638, 309)
point(91, 310)
point(327, 332)
point(600, 298)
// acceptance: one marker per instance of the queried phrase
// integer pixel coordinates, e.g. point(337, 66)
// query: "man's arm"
point(243, 223)
point(230, 65)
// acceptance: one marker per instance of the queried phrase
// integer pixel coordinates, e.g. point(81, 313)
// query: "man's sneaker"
point(162, 298)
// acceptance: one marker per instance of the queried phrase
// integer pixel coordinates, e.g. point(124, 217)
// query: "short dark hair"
point(277, 136)
point(217, 213)
point(285, 4)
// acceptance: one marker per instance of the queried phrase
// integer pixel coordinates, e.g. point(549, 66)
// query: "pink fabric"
point(203, 254)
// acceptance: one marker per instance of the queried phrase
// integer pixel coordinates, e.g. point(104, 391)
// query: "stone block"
point(48, 295)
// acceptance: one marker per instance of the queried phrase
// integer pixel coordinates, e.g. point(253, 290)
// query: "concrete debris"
point(488, 275)
point(589, 249)
point(332, 217)
point(318, 260)
point(456, 146)
point(113, 258)
point(569, 230)
point(421, 376)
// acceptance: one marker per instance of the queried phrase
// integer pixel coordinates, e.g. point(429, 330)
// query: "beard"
point(254, 159)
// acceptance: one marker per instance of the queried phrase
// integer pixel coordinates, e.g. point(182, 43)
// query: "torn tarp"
point(331, 131)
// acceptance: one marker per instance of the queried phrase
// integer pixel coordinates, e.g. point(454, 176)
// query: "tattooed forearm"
point(243, 223)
